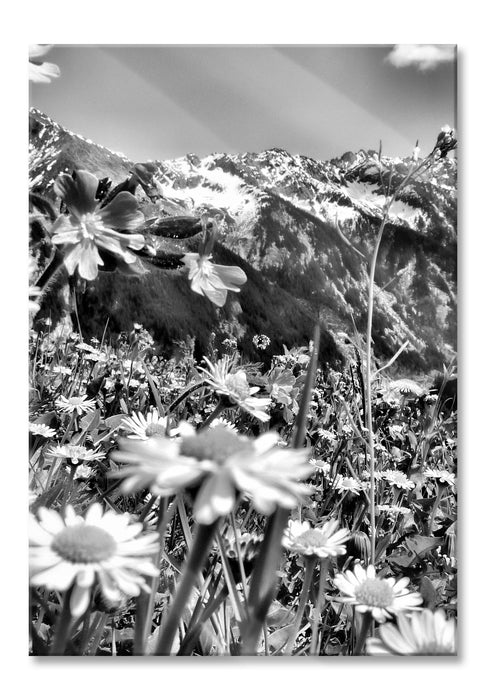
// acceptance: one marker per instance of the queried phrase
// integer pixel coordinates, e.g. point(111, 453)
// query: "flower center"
point(89, 224)
point(216, 444)
point(311, 538)
point(155, 429)
point(375, 593)
point(84, 544)
point(75, 401)
point(237, 384)
point(205, 266)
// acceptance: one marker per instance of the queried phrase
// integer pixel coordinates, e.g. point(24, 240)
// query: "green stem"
point(317, 612)
point(63, 627)
point(304, 595)
point(363, 633)
point(184, 395)
point(200, 547)
point(146, 601)
point(440, 490)
point(69, 486)
point(219, 409)
point(369, 416)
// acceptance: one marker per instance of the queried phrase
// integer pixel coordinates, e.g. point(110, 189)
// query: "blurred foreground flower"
point(210, 280)
point(225, 466)
point(39, 71)
point(381, 597)
point(143, 428)
point(89, 227)
point(424, 633)
point(99, 548)
point(234, 386)
point(321, 542)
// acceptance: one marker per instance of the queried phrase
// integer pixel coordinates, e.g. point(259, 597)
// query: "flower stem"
point(63, 626)
point(146, 601)
point(438, 498)
point(363, 633)
point(199, 551)
point(369, 416)
point(304, 594)
point(219, 409)
point(317, 612)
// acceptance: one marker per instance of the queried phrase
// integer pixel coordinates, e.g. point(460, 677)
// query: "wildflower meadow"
point(216, 504)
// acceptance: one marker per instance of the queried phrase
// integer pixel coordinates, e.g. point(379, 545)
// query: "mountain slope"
point(302, 229)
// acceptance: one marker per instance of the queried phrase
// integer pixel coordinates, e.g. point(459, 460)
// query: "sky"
point(160, 102)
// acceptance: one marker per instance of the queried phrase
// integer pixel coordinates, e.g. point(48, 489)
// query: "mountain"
point(302, 229)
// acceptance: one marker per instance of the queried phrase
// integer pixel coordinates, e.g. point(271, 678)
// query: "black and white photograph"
point(242, 350)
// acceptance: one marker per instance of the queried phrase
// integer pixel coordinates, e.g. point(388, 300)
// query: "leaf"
point(428, 593)
point(90, 421)
point(114, 421)
point(419, 544)
point(278, 639)
point(278, 615)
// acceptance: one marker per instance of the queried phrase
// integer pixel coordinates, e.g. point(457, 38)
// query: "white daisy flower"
point(348, 484)
point(321, 542)
point(76, 404)
point(75, 453)
point(233, 384)
point(41, 429)
point(441, 475)
point(381, 597)
point(424, 633)
point(226, 465)
point(142, 427)
point(397, 478)
point(393, 509)
point(80, 552)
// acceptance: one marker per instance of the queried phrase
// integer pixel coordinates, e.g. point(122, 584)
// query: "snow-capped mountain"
point(302, 229)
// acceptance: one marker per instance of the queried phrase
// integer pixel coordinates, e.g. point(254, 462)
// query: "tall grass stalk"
point(369, 327)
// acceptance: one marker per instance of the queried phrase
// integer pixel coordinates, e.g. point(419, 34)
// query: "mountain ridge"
point(305, 230)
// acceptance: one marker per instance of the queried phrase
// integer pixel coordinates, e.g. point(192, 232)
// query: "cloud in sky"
point(422, 56)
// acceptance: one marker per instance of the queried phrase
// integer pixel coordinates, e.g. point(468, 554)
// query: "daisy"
point(40, 71)
point(321, 542)
point(143, 428)
point(41, 429)
point(210, 280)
point(348, 484)
point(397, 478)
point(80, 552)
point(234, 386)
point(381, 597)
point(404, 388)
point(89, 227)
point(62, 369)
point(75, 453)
point(320, 466)
point(76, 404)
point(440, 475)
point(424, 633)
point(223, 464)
point(393, 510)
point(226, 423)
